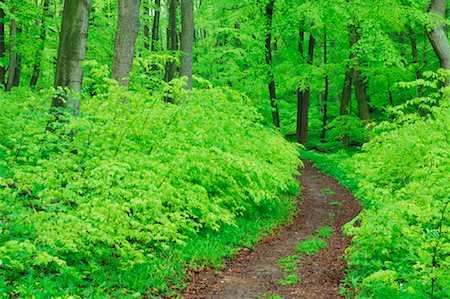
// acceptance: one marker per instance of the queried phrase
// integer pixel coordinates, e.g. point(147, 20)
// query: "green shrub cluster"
point(122, 182)
point(401, 241)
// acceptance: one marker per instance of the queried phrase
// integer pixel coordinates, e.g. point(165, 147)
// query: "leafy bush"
point(401, 241)
point(348, 129)
point(119, 184)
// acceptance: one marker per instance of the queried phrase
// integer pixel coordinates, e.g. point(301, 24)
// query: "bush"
point(120, 183)
point(401, 241)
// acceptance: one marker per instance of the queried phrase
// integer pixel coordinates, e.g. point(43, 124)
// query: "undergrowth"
point(123, 200)
point(401, 243)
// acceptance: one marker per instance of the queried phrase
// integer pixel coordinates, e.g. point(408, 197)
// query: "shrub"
point(117, 184)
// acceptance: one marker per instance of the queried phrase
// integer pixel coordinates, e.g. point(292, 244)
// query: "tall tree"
point(72, 50)
point(40, 49)
point(272, 87)
point(304, 98)
point(172, 43)
point(187, 40)
point(327, 85)
point(437, 35)
point(348, 80)
point(2, 42)
point(14, 57)
point(155, 27)
point(125, 41)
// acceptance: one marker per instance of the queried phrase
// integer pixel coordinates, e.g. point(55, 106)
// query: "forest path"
point(253, 274)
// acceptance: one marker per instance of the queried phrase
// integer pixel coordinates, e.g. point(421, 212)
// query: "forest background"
point(138, 137)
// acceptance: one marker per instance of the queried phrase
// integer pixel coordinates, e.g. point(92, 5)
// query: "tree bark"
point(42, 39)
point(172, 44)
point(72, 50)
point(146, 21)
point(437, 35)
point(125, 41)
point(415, 55)
point(187, 40)
point(327, 84)
point(304, 97)
point(361, 95)
point(346, 91)
point(272, 87)
point(14, 59)
point(2, 42)
point(155, 27)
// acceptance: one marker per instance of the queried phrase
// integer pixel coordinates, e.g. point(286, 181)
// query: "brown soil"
point(253, 274)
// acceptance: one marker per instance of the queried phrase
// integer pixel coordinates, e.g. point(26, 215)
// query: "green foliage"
point(288, 280)
point(401, 240)
point(311, 246)
point(99, 197)
point(328, 191)
point(324, 232)
point(289, 264)
point(347, 129)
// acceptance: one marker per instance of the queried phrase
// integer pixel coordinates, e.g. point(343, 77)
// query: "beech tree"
point(125, 41)
point(40, 49)
point(72, 51)
point(438, 36)
point(187, 40)
point(14, 57)
point(272, 88)
point(2, 42)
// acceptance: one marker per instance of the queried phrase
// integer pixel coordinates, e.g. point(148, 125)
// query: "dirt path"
point(254, 274)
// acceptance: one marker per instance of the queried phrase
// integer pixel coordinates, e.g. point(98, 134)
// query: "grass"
point(325, 232)
point(335, 203)
point(167, 275)
point(290, 279)
point(311, 246)
point(289, 264)
point(328, 191)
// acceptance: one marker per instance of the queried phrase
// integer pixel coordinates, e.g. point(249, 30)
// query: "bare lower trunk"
point(12, 52)
point(304, 98)
point(347, 92)
point(361, 96)
point(2, 42)
point(272, 87)
point(155, 27)
point(327, 84)
point(72, 50)
point(172, 43)
point(415, 55)
point(38, 55)
point(437, 36)
point(187, 40)
point(125, 41)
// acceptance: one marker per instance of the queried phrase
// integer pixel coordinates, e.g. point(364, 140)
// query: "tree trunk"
point(2, 42)
point(40, 50)
point(348, 81)
point(125, 41)
point(13, 56)
point(437, 36)
point(155, 28)
point(415, 55)
point(72, 50)
point(187, 40)
point(346, 91)
point(172, 44)
point(272, 88)
point(327, 84)
point(146, 21)
point(304, 97)
point(361, 95)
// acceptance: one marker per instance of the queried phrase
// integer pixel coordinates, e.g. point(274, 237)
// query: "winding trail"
point(253, 274)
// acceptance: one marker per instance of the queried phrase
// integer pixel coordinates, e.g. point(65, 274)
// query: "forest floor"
point(254, 274)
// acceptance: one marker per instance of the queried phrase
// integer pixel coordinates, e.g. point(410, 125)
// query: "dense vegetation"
point(137, 144)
